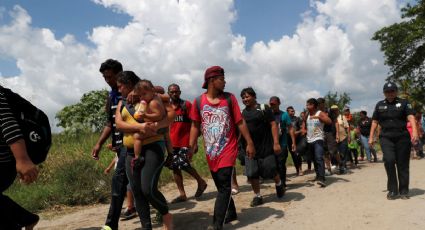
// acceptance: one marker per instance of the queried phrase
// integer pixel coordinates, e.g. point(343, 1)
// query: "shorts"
point(178, 159)
point(330, 145)
point(261, 167)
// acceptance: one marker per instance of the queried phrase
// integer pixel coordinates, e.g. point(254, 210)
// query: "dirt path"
point(353, 201)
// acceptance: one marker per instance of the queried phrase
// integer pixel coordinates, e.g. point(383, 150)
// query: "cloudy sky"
point(50, 50)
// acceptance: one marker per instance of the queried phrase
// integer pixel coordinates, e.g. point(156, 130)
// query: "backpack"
point(226, 96)
point(34, 125)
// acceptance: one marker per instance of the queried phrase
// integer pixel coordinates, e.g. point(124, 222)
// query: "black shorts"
point(178, 159)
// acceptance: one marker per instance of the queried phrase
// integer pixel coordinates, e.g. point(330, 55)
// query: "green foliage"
point(71, 177)
point(68, 177)
point(339, 99)
point(403, 44)
point(87, 115)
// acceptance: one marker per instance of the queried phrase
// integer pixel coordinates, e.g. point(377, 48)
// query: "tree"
point(87, 115)
point(339, 99)
point(403, 45)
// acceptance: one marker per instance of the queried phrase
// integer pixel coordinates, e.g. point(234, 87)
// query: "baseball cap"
point(390, 86)
point(211, 72)
point(334, 107)
point(346, 107)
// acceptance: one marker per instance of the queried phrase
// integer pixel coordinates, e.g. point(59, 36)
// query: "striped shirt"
point(9, 129)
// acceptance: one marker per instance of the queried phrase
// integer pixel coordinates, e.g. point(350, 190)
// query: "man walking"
point(216, 114)
point(179, 134)
point(110, 69)
point(264, 132)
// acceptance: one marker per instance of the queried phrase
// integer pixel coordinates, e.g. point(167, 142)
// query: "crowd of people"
point(151, 129)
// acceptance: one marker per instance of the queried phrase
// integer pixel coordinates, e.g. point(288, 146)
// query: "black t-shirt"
point(392, 116)
point(259, 127)
point(330, 128)
point(364, 126)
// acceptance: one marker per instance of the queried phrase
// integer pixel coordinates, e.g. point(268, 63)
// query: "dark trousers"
point(281, 164)
point(353, 154)
point(118, 191)
point(296, 157)
point(316, 152)
point(224, 205)
point(144, 183)
point(343, 153)
point(396, 152)
point(12, 215)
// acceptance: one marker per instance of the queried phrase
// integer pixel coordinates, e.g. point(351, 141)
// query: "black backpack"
point(34, 125)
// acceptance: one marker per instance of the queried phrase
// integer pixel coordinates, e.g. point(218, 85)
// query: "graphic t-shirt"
point(180, 128)
point(365, 126)
point(219, 130)
point(314, 128)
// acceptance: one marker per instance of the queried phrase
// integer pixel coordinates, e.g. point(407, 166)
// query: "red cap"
point(211, 72)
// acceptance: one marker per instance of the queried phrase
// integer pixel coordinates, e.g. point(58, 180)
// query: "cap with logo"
point(390, 86)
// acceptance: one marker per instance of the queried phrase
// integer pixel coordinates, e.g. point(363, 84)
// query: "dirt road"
point(353, 201)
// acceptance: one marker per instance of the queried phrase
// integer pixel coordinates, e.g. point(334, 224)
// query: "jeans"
point(12, 215)
point(224, 205)
point(316, 151)
point(118, 190)
point(396, 152)
point(365, 144)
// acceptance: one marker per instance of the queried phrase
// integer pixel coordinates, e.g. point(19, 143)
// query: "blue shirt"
point(283, 121)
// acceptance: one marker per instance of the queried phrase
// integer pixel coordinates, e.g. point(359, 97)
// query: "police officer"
point(392, 115)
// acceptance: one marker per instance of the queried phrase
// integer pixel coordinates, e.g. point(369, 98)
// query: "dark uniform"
point(395, 140)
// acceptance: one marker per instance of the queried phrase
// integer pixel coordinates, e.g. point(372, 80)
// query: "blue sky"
point(78, 17)
point(273, 45)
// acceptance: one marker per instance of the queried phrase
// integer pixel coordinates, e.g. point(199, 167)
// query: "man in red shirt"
point(179, 134)
point(216, 114)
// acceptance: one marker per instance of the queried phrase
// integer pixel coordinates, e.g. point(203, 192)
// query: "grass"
point(71, 177)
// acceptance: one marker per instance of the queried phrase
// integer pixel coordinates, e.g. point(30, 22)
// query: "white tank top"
point(314, 129)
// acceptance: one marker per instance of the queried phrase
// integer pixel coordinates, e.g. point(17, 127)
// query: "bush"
point(68, 177)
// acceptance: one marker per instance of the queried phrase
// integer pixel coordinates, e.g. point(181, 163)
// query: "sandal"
point(200, 191)
point(179, 199)
point(234, 191)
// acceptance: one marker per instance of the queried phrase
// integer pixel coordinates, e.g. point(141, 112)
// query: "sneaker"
point(327, 173)
point(129, 213)
point(404, 196)
point(158, 218)
point(321, 183)
point(258, 200)
point(392, 195)
point(106, 227)
point(280, 190)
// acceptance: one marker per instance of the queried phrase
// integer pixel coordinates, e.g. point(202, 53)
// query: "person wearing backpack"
point(14, 160)
point(109, 70)
point(179, 135)
point(264, 132)
point(216, 116)
point(285, 127)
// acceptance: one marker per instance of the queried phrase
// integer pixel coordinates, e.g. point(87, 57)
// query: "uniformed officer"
point(392, 115)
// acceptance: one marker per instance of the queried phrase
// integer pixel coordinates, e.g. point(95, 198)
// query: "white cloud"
point(170, 41)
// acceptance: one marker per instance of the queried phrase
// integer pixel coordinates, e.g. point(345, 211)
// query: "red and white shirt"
point(218, 127)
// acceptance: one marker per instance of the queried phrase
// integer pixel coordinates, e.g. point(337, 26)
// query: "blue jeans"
point(316, 152)
point(119, 190)
point(365, 144)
